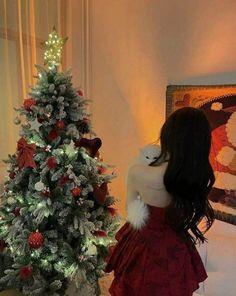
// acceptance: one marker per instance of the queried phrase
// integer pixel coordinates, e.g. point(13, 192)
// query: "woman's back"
point(148, 182)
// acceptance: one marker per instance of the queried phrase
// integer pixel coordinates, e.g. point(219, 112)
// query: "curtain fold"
point(24, 25)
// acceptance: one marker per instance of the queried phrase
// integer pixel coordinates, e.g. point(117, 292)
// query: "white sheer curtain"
point(24, 24)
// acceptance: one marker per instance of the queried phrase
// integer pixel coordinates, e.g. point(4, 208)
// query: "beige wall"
point(140, 46)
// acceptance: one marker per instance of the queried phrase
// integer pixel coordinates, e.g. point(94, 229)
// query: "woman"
point(155, 254)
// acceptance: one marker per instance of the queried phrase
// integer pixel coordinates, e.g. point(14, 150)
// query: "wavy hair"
point(185, 142)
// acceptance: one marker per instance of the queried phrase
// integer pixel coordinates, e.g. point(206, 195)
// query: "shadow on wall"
point(209, 79)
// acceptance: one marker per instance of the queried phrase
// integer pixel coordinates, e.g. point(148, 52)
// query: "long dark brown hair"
point(185, 142)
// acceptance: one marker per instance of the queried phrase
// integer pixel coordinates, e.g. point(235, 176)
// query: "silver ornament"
point(35, 125)
point(10, 200)
point(39, 186)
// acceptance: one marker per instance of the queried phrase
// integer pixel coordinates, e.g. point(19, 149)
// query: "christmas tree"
point(56, 217)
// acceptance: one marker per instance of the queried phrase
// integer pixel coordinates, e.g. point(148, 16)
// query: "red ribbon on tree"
point(25, 154)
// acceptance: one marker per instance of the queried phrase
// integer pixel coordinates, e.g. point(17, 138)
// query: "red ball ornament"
point(46, 193)
point(52, 135)
point(60, 124)
point(12, 175)
point(112, 211)
point(101, 170)
point(26, 272)
point(17, 212)
point(35, 240)
point(76, 191)
point(2, 245)
point(28, 104)
point(80, 93)
point(63, 180)
point(100, 233)
point(51, 162)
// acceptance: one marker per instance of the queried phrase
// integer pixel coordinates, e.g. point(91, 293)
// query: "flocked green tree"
point(56, 217)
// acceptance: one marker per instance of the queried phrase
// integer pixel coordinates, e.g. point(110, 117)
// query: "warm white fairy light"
point(53, 46)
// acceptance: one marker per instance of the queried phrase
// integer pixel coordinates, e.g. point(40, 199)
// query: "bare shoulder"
point(141, 170)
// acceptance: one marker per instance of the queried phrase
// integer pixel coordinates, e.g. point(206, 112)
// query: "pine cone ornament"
point(2, 245)
point(17, 211)
point(83, 126)
point(35, 240)
point(26, 272)
point(12, 175)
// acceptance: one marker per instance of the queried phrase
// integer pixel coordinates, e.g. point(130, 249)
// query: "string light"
point(53, 46)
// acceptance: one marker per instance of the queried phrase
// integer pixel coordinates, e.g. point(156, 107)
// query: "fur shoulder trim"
point(138, 213)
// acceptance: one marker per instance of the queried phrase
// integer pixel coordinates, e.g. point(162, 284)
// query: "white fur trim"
point(138, 213)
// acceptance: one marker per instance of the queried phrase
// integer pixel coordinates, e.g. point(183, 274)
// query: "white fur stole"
point(138, 213)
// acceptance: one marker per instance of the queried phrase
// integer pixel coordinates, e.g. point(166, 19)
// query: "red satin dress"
point(153, 261)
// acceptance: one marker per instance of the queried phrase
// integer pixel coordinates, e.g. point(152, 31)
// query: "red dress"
point(154, 261)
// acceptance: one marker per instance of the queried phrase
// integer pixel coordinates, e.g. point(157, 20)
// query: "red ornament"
point(100, 233)
point(92, 146)
point(29, 103)
point(52, 135)
point(76, 191)
point(46, 193)
point(12, 174)
point(35, 240)
point(80, 93)
point(25, 154)
point(17, 212)
point(101, 170)
point(51, 162)
point(26, 272)
point(2, 245)
point(112, 211)
point(100, 193)
point(63, 180)
point(60, 124)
